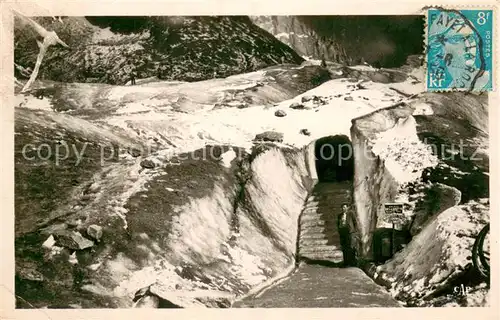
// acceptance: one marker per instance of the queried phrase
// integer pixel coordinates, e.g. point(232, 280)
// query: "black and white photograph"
point(251, 161)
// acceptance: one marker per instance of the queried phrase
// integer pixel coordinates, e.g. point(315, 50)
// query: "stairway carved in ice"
point(318, 235)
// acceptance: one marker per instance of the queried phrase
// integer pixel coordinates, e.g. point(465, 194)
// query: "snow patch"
point(31, 102)
point(246, 267)
point(202, 226)
point(404, 154)
point(363, 68)
point(49, 243)
point(423, 109)
point(227, 157)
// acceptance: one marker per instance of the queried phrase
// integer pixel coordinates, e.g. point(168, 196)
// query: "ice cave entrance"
point(334, 158)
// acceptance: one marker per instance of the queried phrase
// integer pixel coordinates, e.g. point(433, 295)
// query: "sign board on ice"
point(393, 212)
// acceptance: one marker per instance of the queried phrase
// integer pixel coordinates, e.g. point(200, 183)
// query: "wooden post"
point(392, 240)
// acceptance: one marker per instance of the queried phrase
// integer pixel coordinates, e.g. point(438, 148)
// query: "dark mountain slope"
point(383, 41)
point(173, 48)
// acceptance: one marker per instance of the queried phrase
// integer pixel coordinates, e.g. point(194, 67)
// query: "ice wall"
point(374, 183)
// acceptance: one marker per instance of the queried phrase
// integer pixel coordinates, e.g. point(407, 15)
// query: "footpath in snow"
point(314, 286)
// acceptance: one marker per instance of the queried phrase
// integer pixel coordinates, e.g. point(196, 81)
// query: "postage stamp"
point(459, 48)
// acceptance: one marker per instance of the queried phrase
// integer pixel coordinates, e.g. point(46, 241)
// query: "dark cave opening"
point(334, 158)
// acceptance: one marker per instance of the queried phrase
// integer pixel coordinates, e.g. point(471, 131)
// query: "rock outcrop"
point(438, 198)
point(272, 136)
point(95, 232)
point(72, 240)
point(280, 113)
point(348, 40)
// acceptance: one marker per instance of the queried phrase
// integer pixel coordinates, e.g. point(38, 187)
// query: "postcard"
point(275, 159)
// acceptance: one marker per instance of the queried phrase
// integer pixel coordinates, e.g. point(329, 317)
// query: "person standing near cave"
point(344, 225)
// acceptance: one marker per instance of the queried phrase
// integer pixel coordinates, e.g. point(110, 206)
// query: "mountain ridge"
point(169, 48)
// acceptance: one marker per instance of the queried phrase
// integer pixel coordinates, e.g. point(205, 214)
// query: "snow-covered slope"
point(182, 222)
point(437, 261)
point(195, 206)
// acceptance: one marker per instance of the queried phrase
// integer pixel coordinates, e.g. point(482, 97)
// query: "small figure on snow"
point(323, 62)
point(132, 77)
